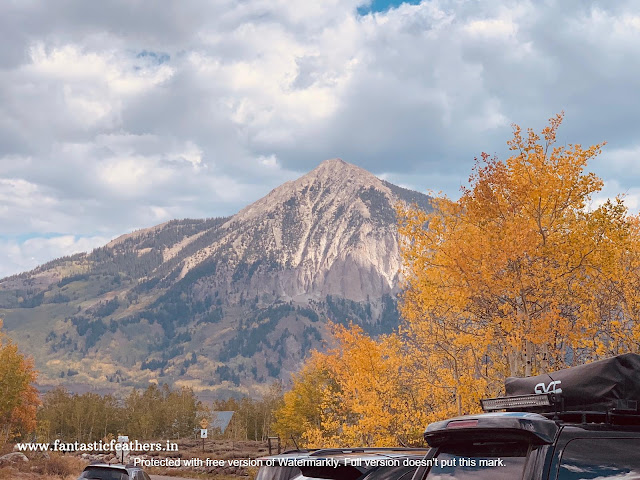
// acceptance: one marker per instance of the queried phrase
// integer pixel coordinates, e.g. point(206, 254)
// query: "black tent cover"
point(594, 386)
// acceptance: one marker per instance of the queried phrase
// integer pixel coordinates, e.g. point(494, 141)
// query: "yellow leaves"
point(304, 404)
point(517, 277)
point(18, 396)
point(357, 393)
point(519, 271)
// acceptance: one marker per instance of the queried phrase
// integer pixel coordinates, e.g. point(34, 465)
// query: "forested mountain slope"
point(219, 303)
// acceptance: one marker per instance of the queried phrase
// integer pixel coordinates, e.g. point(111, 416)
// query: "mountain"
point(219, 304)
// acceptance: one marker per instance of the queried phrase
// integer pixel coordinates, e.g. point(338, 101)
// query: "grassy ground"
point(215, 450)
point(68, 467)
point(56, 467)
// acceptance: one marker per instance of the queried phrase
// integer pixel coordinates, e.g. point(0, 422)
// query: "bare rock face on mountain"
point(222, 303)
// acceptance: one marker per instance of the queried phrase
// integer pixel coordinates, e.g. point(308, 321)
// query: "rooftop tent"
point(595, 386)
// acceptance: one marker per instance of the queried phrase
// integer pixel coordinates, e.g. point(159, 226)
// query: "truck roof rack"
point(606, 391)
point(584, 417)
point(521, 402)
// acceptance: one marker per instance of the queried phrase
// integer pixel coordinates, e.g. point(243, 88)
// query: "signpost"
point(204, 423)
point(122, 439)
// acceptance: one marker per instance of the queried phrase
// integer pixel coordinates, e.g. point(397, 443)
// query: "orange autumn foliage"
point(18, 395)
point(302, 409)
point(521, 275)
point(357, 393)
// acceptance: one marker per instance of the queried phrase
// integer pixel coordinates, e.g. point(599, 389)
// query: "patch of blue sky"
point(154, 57)
point(376, 6)
point(23, 237)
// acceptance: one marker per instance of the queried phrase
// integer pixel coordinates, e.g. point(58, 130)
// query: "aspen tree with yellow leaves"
point(18, 395)
point(521, 275)
point(357, 393)
point(302, 409)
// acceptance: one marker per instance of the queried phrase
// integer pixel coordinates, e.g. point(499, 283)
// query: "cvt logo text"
point(551, 388)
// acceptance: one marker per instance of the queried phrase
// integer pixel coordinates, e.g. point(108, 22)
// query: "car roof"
point(113, 466)
point(107, 465)
point(360, 452)
point(370, 455)
point(288, 454)
point(368, 452)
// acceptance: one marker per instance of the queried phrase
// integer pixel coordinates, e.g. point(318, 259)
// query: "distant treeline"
point(252, 418)
point(157, 412)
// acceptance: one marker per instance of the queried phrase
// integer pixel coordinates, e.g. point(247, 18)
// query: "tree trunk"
point(528, 354)
point(458, 396)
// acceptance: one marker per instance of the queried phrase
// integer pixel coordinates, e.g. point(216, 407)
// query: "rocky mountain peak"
point(330, 232)
point(334, 163)
point(335, 168)
point(334, 177)
point(242, 298)
point(338, 172)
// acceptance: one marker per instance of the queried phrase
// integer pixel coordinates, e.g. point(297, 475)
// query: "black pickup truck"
point(574, 424)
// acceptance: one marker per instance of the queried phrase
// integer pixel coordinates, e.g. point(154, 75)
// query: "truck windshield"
point(480, 461)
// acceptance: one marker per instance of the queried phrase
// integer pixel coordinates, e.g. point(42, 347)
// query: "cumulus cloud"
point(115, 116)
point(20, 255)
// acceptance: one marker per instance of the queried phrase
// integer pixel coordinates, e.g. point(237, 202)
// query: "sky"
point(123, 114)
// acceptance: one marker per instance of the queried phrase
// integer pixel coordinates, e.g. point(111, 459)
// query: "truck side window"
point(601, 459)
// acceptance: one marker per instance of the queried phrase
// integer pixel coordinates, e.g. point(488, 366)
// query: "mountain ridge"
point(223, 303)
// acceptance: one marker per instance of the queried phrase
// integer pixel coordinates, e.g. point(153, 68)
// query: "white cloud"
point(19, 198)
point(271, 161)
point(118, 116)
point(191, 154)
point(122, 72)
point(612, 189)
point(622, 161)
point(492, 28)
point(28, 254)
point(161, 213)
point(132, 176)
